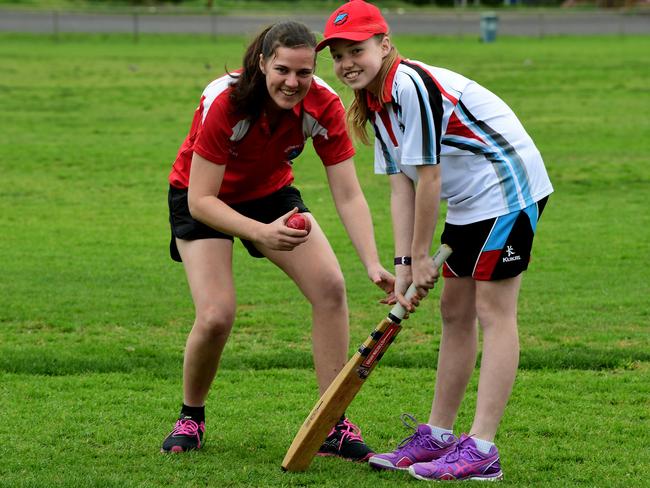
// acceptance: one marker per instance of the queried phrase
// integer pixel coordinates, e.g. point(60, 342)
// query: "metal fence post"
point(55, 25)
point(621, 25)
point(136, 27)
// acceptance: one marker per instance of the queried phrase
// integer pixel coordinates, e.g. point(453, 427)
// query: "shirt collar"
point(374, 103)
point(297, 109)
point(295, 113)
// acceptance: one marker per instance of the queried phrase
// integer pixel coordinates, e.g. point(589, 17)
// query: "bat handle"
point(439, 258)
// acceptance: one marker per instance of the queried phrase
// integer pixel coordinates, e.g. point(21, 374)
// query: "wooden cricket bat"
point(348, 382)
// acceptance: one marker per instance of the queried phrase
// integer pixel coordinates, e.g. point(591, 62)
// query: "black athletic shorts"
point(492, 249)
point(265, 209)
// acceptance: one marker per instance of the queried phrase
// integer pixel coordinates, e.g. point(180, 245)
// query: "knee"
point(214, 322)
point(329, 292)
point(490, 315)
point(453, 314)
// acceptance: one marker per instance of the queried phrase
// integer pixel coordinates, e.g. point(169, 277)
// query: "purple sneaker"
point(465, 462)
point(186, 436)
point(419, 447)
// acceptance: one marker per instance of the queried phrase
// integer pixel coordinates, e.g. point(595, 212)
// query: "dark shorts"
point(265, 210)
point(492, 249)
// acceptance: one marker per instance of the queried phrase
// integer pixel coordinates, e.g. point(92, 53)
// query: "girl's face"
point(289, 73)
point(357, 63)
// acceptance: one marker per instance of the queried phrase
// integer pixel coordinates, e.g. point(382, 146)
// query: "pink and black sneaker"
point(465, 462)
point(345, 441)
point(186, 436)
point(419, 447)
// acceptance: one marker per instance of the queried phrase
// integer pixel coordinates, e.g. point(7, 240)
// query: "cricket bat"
point(348, 382)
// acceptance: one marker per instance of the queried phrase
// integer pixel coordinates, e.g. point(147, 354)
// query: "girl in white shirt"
point(439, 135)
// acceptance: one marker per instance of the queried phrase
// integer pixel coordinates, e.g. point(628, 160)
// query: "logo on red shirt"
point(292, 152)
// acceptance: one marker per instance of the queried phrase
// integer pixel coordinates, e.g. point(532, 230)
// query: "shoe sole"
point(175, 449)
point(495, 477)
point(384, 464)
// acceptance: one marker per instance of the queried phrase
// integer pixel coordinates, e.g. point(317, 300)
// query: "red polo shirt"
point(258, 161)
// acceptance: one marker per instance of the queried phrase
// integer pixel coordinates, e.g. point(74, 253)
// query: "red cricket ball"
point(300, 222)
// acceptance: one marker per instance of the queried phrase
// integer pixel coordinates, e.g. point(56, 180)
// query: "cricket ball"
point(299, 221)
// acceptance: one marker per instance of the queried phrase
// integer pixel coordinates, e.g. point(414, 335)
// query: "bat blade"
point(330, 407)
point(346, 385)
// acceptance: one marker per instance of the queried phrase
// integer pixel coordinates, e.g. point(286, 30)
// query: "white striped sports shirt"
point(490, 165)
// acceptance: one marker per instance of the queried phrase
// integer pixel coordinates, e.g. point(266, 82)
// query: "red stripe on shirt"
point(385, 118)
point(457, 128)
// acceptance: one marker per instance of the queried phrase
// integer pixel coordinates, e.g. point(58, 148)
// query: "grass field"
point(94, 315)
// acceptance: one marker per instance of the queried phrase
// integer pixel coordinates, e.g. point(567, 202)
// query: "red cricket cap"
point(354, 21)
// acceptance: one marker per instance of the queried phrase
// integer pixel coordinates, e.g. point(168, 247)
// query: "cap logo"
point(341, 18)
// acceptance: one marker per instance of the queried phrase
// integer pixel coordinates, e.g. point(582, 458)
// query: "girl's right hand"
point(279, 237)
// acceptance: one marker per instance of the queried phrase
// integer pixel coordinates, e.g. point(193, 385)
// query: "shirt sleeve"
point(421, 122)
point(213, 134)
point(328, 131)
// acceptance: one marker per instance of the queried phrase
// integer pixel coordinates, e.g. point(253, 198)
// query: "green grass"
point(94, 315)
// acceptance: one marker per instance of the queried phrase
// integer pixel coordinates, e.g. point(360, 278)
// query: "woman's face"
point(357, 63)
point(289, 73)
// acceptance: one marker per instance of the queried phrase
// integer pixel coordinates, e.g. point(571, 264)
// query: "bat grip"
point(439, 258)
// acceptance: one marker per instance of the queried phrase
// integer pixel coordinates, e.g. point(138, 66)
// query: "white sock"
point(437, 432)
point(483, 446)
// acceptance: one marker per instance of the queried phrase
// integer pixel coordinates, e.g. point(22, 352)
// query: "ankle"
point(483, 445)
point(438, 432)
point(197, 413)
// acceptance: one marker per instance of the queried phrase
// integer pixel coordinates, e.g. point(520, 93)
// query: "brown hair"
point(249, 91)
point(359, 113)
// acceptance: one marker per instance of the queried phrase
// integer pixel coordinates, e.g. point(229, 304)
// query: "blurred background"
point(484, 18)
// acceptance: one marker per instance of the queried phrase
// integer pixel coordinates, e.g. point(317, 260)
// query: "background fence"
point(446, 23)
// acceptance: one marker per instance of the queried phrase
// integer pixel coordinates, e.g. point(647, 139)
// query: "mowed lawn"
point(94, 314)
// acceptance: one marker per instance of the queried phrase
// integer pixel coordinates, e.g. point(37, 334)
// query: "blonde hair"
point(359, 113)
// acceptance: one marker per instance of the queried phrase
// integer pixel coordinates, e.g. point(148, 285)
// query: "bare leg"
point(208, 265)
point(314, 268)
point(458, 348)
point(497, 311)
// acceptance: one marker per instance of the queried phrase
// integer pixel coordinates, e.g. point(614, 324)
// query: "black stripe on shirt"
point(435, 102)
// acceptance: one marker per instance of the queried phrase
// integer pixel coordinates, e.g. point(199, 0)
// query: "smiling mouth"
point(351, 75)
point(288, 93)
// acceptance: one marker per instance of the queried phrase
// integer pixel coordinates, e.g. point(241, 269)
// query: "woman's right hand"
point(279, 237)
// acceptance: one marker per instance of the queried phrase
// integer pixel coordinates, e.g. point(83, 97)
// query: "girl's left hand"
point(425, 273)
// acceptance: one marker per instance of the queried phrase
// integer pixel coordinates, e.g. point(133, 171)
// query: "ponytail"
point(249, 92)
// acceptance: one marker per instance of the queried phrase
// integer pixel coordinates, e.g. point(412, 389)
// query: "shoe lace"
point(462, 450)
point(186, 427)
point(347, 430)
point(417, 439)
